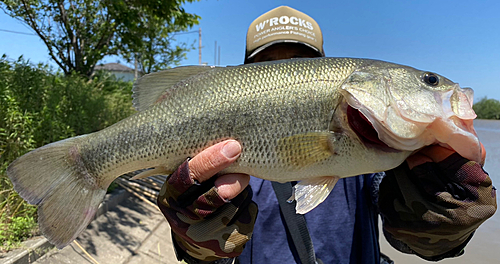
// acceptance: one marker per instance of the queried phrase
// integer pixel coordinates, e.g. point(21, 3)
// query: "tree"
point(79, 33)
point(487, 108)
point(156, 53)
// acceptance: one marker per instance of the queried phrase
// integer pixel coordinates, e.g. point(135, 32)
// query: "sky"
point(456, 38)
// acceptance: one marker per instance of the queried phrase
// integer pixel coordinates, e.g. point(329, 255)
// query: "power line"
point(188, 32)
point(32, 34)
point(17, 32)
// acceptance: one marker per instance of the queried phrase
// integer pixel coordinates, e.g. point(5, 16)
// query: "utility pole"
point(215, 53)
point(136, 75)
point(199, 46)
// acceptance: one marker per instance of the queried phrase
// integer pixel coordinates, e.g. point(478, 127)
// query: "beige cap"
point(283, 24)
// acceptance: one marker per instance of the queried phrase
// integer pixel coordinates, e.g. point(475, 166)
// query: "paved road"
point(133, 233)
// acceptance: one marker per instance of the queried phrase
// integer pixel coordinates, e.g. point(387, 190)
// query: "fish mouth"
point(365, 130)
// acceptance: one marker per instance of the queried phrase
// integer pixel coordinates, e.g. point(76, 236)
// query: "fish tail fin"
point(54, 178)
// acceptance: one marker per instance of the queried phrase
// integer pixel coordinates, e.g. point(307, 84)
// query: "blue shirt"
point(343, 228)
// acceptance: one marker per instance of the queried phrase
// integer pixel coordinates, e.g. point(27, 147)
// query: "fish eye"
point(431, 79)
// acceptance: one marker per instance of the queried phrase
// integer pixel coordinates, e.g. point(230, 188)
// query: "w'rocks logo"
point(284, 20)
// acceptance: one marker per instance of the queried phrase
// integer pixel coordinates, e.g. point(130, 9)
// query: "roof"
point(117, 67)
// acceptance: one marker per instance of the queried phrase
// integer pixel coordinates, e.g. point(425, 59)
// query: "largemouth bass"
point(307, 120)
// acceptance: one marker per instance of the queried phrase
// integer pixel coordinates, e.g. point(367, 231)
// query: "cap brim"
point(267, 45)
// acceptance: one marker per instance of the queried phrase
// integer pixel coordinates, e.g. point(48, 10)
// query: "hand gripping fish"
point(307, 120)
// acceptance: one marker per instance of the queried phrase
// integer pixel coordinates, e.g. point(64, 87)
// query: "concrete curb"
point(33, 249)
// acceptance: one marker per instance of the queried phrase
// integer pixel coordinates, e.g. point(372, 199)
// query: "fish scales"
point(265, 104)
point(307, 120)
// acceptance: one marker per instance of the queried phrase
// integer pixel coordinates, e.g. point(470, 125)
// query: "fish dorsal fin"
point(149, 88)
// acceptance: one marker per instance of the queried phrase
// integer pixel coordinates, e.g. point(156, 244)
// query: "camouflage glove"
point(433, 209)
point(204, 225)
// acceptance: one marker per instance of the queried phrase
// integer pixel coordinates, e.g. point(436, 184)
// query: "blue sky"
point(458, 39)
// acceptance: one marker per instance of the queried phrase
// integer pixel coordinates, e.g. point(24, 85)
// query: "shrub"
point(39, 106)
point(487, 108)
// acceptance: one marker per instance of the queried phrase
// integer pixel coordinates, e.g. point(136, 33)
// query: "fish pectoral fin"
point(305, 149)
point(154, 87)
point(311, 192)
point(160, 170)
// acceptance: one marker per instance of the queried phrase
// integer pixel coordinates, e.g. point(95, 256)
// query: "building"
point(121, 72)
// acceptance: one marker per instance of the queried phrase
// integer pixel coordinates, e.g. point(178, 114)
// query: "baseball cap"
point(283, 25)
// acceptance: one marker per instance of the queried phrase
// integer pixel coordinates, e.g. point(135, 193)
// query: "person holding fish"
point(430, 205)
point(331, 144)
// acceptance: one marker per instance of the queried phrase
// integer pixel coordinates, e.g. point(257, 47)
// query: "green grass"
point(15, 229)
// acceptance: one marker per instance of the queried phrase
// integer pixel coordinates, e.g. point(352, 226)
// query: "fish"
point(308, 120)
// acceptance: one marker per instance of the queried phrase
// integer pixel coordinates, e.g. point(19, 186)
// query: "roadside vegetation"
point(487, 108)
point(37, 106)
